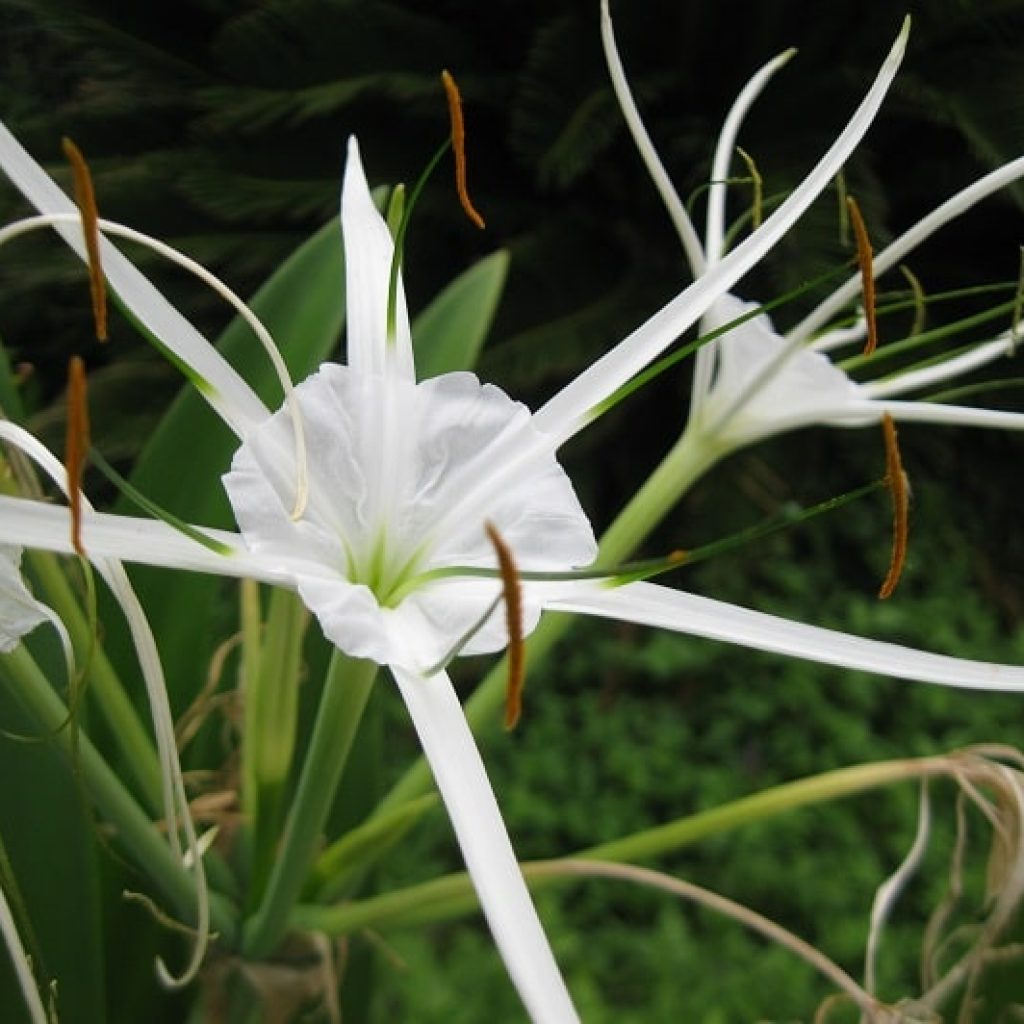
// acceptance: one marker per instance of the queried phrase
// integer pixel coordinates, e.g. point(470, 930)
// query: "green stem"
point(685, 463)
point(453, 895)
point(346, 691)
point(126, 728)
point(271, 713)
point(115, 804)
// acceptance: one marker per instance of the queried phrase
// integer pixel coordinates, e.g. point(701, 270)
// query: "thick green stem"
point(453, 895)
point(346, 691)
point(134, 831)
point(126, 728)
point(687, 461)
point(272, 660)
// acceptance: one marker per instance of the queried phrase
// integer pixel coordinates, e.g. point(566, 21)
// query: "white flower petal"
point(651, 605)
point(893, 253)
point(21, 963)
point(938, 373)
point(462, 781)
point(368, 254)
point(380, 515)
point(570, 409)
point(677, 212)
point(714, 236)
point(20, 612)
point(859, 413)
point(38, 524)
point(740, 408)
point(227, 392)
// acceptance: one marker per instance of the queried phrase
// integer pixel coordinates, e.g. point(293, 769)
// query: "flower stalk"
point(347, 689)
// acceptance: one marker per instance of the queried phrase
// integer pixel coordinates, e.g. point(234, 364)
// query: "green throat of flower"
point(389, 574)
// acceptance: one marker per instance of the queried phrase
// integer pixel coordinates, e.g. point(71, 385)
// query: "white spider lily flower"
point(403, 477)
point(752, 381)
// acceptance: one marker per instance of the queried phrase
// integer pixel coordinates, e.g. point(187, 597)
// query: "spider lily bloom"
point(390, 549)
point(751, 381)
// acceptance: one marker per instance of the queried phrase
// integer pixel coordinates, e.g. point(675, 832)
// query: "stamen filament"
point(757, 185)
point(134, 495)
point(459, 147)
point(76, 446)
point(867, 273)
point(85, 200)
point(920, 301)
point(896, 481)
point(513, 594)
point(1018, 305)
point(399, 236)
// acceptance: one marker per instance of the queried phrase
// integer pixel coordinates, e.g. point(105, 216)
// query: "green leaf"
point(450, 332)
point(49, 836)
point(302, 305)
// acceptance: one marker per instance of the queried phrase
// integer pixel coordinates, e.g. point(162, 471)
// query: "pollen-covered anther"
point(512, 592)
point(451, 91)
point(865, 258)
point(899, 489)
point(77, 446)
point(85, 199)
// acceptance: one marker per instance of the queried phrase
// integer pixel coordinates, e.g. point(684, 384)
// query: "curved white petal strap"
point(469, 799)
point(22, 968)
point(38, 524)
point(940, 372)
point(655, 168)
point(573, 406)
point(231, 397)
point(857, 414)
point(650, 605)
point(910, 239)
point(368, 253)
point(714, 236)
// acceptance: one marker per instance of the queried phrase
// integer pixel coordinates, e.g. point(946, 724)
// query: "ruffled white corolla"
point(402, 478)
point(752, 381)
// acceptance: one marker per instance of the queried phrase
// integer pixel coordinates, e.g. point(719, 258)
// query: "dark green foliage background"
point(220, 126)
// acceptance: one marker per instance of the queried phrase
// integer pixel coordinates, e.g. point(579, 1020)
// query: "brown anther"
point(451, 91)
point(678, 556)
point(867, 273)
point(899, 489)
point(85, 199)
point(513, 594)
point(77, 446)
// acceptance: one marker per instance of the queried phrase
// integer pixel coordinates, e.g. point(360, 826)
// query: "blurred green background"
point(221, 126)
